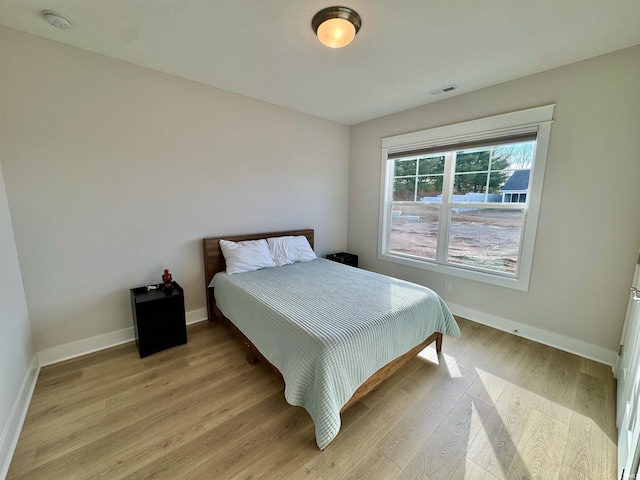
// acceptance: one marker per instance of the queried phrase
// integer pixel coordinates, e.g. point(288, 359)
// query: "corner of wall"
point(11, 433)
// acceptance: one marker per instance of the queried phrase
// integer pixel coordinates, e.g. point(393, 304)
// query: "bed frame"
point(214, 263)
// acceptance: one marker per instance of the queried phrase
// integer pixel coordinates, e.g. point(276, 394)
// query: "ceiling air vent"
point(447, 89)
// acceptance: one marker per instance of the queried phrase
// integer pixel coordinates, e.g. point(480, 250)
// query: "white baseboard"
point(85, 346)
point(100, 342)
point(11, 433)
point(561, 342)
point(197, 316)
point(568, 344)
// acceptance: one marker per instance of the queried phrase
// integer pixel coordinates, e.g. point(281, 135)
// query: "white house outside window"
point(463, 199)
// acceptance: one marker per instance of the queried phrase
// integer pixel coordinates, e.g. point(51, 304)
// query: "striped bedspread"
point(328, 327)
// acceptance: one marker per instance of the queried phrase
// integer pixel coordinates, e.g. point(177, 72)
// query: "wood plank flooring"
point(490, 406)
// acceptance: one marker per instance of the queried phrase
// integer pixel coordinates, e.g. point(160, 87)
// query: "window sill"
point(520, 283)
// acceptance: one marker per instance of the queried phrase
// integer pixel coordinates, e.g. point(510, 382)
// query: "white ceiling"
point(265, 49)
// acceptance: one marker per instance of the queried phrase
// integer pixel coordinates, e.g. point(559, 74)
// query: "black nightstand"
point(158, 318)
point(343, 257)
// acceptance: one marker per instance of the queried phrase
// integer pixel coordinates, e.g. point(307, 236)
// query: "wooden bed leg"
point(439, 343)
point(251, 358)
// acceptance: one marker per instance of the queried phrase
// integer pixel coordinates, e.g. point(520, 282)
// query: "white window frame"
point(540, 119)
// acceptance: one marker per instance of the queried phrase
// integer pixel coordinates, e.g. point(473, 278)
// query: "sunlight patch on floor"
point(451, 364)
point(429, 354)
point(487, 387)
point(530, 432)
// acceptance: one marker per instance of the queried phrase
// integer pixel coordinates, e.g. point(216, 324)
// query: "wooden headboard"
point(214, 260)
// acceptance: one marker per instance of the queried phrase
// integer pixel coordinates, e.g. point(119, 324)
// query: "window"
point(463, 199)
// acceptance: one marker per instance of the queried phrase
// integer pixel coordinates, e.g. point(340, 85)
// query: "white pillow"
point(289, 249)
point(247, 255)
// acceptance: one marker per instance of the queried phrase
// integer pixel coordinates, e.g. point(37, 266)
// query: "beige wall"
point(589, 224)
point(114, 172)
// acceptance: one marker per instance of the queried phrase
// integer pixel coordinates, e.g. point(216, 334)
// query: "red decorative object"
point(166, 278)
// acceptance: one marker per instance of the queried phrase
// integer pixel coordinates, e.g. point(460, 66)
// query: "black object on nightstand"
point(343, 257)
point(158, 318)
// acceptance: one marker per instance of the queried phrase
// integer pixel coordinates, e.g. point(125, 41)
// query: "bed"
point(331, 332)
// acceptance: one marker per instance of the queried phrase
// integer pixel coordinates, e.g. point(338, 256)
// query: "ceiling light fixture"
point(56, 19)
point(336, 27)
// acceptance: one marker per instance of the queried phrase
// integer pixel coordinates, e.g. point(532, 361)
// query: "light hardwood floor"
point(491, 406)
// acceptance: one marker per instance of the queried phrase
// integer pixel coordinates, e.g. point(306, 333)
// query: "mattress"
point(328, 327)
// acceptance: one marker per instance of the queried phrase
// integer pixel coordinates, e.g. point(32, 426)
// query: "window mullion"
point(415, 181)
point(445, 210)
point(488, 183)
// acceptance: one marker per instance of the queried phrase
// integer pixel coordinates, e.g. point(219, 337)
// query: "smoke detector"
point(56, 19)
